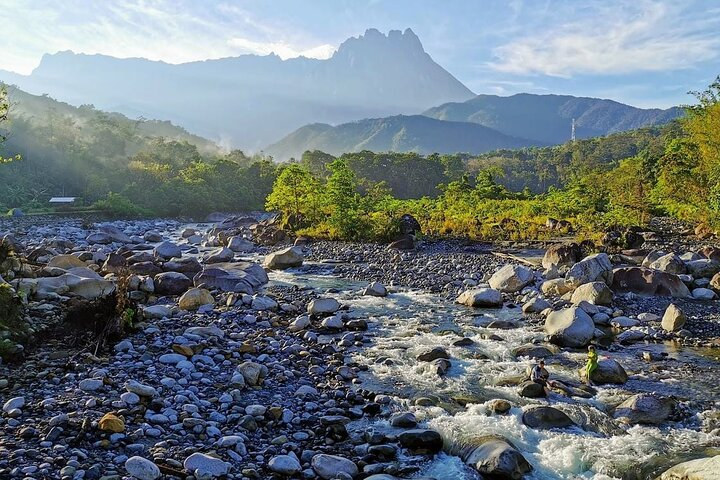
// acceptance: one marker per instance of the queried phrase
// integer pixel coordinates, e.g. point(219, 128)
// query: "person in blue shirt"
point(540, 375)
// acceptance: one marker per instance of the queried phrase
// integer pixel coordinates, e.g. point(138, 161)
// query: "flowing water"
point(408, 322)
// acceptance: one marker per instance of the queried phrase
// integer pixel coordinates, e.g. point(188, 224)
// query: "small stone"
point(90, 384)
point(13, 404)
point(111, 423)
point(285, 465)
point(206, 465)
point(142, 468)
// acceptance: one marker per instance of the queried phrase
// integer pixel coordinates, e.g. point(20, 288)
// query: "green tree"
point(296, 195)
point(343, 201)
point(4, 110)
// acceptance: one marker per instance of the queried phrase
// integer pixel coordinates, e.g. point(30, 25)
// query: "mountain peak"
point(374, 41)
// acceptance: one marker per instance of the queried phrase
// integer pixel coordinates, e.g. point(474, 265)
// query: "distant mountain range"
point(548, 118)
point(250, 101)
point(479, 125)
point(399, 133)
point(389, 80)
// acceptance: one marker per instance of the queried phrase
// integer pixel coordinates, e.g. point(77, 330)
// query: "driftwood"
point(515, 258)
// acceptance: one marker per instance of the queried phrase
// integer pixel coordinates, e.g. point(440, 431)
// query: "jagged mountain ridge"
point(249, 100)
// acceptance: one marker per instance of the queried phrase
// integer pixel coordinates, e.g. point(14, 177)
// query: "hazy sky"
point(642, 52)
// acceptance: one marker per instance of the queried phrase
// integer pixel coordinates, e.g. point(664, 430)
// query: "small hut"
point(62, 203)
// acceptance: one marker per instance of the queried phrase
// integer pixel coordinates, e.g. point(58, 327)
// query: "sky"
point(647, 53)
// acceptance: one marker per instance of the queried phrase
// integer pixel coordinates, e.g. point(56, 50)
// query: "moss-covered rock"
point(12, 323)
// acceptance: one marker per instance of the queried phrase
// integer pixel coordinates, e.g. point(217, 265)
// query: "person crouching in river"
point(540, 376)
point(592, 363)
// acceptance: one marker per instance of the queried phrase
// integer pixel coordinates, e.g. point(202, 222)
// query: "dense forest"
point(142, 167)
point(601, 183)
point(130, 167)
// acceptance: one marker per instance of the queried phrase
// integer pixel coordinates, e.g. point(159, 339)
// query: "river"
point(408, 322)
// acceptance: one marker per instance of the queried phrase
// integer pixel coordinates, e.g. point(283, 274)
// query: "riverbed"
point(408, 322)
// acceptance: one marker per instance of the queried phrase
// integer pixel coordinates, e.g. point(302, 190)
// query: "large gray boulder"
point(481, 297)
point(187, 265)
point(673, 319)
point(171, 283)
point(221, 255)
point(142, 468)
point(496, 457)
point(286, 258)
point(421, 440)
point(167, 250)
point(205, 465)
point(608, 371)
point(240, 245)
point(593, 268)
point(561, 255)
point(511, 278)
point(329, 466)
point(285, 465)
point(87, 286)
point(556, 286)
point(535, 351)
point(323, 306)
point(544, 417)
point(597, 293)
point(648, 282)
point(239, 277)
point(670, 263)
point(570, 327)
point(644, 408)
point(66, 262)
point(530, 389)
point(700, 469)
point(703, 268)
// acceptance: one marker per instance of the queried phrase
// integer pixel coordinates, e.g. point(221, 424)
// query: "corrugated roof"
point(62, 199)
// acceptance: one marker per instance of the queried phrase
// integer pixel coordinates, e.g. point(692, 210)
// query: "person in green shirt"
point(592, 363)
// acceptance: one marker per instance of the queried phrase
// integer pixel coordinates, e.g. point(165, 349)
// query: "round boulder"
point(544, 417)
point(195, 298)
point(329, 466)
point(597, 293)
point(608, 371)
point(673, 319)
point(496, 457)
point(511, 278)
point(282, 259)
point(481, 297)
point(570, 327)
point(644, 408)
point(171, 283)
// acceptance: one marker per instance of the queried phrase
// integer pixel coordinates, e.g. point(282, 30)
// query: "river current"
point(409, 322)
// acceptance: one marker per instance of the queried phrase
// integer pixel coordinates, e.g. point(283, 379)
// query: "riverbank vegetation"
point(141, 168)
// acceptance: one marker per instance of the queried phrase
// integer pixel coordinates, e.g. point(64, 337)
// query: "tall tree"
point(4, 109)
point(296, 195)
point(343, 199)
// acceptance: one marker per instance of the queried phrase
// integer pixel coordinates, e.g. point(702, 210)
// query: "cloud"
point(174, 31)
point(615, 38)
point(281, 49)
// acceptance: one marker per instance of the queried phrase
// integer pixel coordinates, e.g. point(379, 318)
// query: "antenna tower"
point(572, 132)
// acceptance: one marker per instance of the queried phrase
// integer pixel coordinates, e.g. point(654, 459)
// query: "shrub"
point(120, 206)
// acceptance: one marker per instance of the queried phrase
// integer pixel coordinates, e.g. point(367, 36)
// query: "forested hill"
point(94, 155)
point(548, 118)
point(540, 168)
point(401, 133)
point(89, 125)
